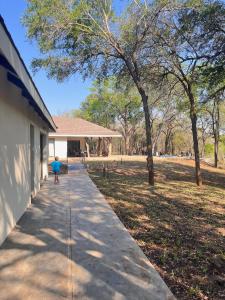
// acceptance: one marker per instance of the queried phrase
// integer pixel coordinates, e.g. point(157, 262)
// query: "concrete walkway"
point(70, 245)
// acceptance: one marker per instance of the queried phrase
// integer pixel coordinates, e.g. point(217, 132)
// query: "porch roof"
point(77, 127)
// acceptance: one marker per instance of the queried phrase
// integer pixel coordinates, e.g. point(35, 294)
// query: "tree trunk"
point(126, 137)
point(216, 134)
point(167, 142)
point(105, 150)
point(99, 147)
point(203, 147)
point(154, 147)
point(216, 147)
point(126, 144)
point(193, 116)
point(133, 70)
point(155, 140)
point(150, 164)
point(172, 145)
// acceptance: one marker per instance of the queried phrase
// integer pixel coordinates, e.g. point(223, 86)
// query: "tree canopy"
point(145, 44)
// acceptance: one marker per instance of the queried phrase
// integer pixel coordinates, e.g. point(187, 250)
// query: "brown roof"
point(81, 128)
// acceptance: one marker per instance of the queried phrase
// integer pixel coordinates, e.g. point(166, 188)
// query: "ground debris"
point(178, 226)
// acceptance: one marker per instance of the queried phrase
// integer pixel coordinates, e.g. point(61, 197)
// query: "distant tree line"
point(118, 108)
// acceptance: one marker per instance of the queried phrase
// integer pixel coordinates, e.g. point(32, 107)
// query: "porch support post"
point(110, 146)
point(87, 147)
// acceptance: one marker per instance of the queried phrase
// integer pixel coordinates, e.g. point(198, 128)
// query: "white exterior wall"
point(46, 155)
point(61, 147)
point(51, 147)
point(15, 174)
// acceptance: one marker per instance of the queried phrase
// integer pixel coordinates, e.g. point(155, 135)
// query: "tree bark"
point(168, 142)
point(172, 145)
point(203, 147)
point(126, 137)
point(133, 70)
point(150, 164)
point(216, 147)
point(109, 146)
point(126, 144)
point(216, 132)
point(99, 147)
point(193, 116)
point(155, 140)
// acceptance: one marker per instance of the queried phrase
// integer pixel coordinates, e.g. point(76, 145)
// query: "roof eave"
point(30, 85)
point(84, 135)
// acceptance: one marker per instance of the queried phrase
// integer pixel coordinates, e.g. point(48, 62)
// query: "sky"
point(59, 97)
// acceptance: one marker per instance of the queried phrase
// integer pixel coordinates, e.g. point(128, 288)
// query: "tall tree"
point(214, 108)
point(188, 38)
point(89, 37)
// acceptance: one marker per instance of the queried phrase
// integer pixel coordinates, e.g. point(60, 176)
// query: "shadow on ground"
point(69, 245)
point(180, 227)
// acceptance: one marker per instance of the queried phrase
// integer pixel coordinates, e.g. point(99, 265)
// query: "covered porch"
point(79, 138)
point(80, 147)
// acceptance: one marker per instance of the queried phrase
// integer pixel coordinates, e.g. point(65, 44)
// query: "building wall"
point(16, 116)
point(61, 147)
point(51, 145)
point(58, 145)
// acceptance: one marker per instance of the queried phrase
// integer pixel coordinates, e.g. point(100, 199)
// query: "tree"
point(166, 112)
point(204, 126)
point(128, 112)
point(98, 106)
point(112, 105)
point(87, 36)
point(145, 40)
point(186, 40)
point(214, 109)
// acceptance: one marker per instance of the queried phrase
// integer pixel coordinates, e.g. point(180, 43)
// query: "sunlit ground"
point(179, 226)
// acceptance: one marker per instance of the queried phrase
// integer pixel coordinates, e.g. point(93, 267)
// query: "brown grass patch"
point(179, 226)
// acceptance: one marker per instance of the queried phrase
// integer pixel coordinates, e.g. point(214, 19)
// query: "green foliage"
point(209, 150)
point(108, 103)
point(221, 150)
point(98, 106)
point(222, 140)
point(145, 45)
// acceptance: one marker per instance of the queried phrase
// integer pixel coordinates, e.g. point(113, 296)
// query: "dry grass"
point(179, 226)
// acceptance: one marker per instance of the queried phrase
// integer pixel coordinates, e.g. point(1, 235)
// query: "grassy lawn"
point(180, 227)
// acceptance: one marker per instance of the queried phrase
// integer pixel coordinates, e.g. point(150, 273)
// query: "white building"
point(24, 126)
point(75, 136)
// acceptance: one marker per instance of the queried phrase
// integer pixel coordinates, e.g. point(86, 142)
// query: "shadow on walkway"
point(70, 245)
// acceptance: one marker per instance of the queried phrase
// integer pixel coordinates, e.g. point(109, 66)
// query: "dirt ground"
point(179, 226)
